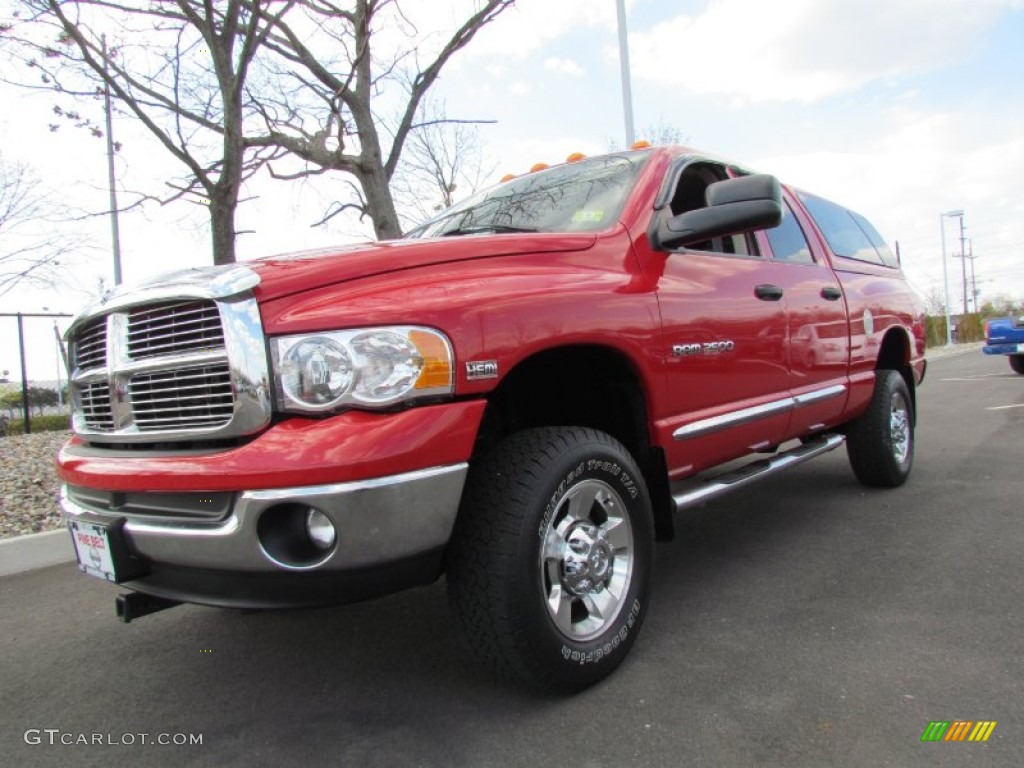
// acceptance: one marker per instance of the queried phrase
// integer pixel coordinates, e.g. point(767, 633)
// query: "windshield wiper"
point(481, 228)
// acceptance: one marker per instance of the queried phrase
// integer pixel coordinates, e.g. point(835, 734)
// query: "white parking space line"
point(1004, 407)
point(981, 376)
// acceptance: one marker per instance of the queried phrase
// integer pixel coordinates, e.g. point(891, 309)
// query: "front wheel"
point(880, 442)
point(1017, 363)
point(550, 561)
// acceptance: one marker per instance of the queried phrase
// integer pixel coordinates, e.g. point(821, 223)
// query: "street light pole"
point(115, 230)
point(945, 269)
point(60, 355)
point(627, 91)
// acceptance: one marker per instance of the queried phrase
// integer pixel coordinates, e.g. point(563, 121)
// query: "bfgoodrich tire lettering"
point(550, 560)
point(880, 442)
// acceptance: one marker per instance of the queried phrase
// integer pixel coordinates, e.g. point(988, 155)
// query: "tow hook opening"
point(135, 605)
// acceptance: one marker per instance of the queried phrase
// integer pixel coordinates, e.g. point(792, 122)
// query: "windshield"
point(577, 197)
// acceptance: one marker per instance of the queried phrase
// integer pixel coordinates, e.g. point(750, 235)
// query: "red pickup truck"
point(519, 395)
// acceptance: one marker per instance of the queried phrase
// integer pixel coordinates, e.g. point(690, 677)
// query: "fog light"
point(296, 535)
point(320, 529)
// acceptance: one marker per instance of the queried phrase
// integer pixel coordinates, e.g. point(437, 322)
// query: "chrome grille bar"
point(179, 377)
point(174, 328)
point(95, 405)
point(157, 404)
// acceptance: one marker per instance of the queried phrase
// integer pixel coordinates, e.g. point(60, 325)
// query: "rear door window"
point(888, 257)
point(848, 234)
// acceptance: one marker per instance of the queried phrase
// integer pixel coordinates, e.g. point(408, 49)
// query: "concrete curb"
point(936, 353)
point(35, 550)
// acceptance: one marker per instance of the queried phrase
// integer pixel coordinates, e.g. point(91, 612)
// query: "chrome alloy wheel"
point(586, 560)
point(899, 427)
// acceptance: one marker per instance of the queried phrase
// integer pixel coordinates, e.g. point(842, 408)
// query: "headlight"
point(316, 371)
point(322, 372)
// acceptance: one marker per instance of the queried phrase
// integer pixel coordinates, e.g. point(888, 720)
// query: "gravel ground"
point(28, 483)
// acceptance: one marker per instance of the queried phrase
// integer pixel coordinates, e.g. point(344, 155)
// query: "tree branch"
point(426, 78)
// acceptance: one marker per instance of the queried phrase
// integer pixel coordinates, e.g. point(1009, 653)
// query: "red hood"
point(284, 275)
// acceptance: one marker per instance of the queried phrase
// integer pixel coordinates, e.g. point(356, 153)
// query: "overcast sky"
point(900, 109)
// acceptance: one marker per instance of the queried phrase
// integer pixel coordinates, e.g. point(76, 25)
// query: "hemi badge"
point(482, 369)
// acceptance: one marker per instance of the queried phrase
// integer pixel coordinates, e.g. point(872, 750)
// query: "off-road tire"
point(1017, 363)
point(880, 442)
point(546, 513)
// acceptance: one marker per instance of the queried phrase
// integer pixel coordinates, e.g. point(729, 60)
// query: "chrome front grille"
point(173, 365)
point(184, 398)
point(168, 329)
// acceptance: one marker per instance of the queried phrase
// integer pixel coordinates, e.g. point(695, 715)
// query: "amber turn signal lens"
point(437, 366)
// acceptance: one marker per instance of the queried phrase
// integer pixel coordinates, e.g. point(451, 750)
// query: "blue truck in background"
point(1005, 336)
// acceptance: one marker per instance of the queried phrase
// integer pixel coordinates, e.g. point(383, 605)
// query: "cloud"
point(807, 50)
point(564, 66)
point(529, 25)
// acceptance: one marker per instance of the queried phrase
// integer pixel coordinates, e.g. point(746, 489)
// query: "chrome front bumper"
point(378, 522)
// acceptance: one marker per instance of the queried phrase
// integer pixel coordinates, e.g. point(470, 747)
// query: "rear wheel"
point(1017, 363)
point(880, 442)
point(550, 560)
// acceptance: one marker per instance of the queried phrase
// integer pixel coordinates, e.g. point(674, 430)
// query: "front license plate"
point(92, 546)
point(1020, 348)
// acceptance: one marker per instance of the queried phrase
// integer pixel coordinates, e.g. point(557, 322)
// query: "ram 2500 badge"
point(519, 395)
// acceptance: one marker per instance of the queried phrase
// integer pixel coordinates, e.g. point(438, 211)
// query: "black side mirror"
point(734, 206)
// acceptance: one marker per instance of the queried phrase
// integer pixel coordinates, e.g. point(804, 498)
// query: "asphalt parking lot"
point(806, 621)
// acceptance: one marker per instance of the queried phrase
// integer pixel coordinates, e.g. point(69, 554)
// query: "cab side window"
point(690, 195)
point(788, 241)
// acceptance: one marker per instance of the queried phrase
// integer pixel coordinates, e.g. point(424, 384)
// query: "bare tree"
point(935, 302)
point(226, 87)
point(331, 76)
point(178, 66)
point(1000, 306)
point(29, 247)
point(443, 161)
point(657, 134)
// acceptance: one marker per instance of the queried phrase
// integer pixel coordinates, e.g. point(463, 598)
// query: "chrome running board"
point(713, 487)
